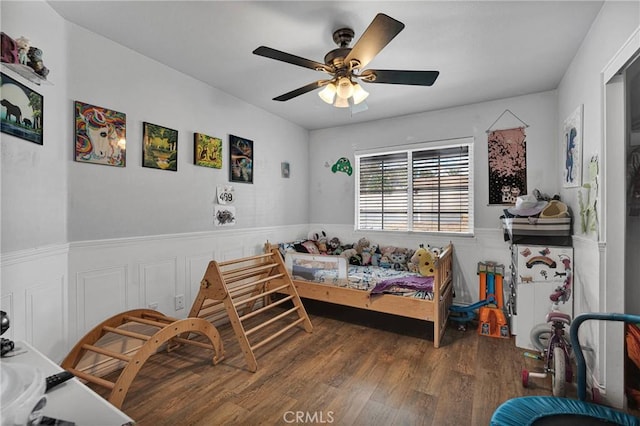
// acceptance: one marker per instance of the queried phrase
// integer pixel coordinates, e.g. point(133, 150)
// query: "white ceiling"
point(484, 50)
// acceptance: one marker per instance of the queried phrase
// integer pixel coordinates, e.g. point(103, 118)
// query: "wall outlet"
point(179, 302)
point(153, 305)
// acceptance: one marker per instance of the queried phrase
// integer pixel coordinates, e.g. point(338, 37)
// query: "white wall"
point(34, 177)
point(110, 202)
point(68, 260)
point(583, 84)
point(333, 199)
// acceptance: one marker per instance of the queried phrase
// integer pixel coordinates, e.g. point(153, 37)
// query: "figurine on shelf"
point(35, 62)
point(23, 49)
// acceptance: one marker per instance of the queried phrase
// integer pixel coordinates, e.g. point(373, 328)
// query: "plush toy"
point(317, 235)
point(349, 253)
point(425, 260)
point(385, 256)
point(35, 61)
point(23, 44)
point(333, 245)
point(375, 255)
point(362, 244)
point(307, 247)
point(399, 259)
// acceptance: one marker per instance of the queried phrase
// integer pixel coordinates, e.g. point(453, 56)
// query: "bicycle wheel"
point(559, 376)
point(539, 336)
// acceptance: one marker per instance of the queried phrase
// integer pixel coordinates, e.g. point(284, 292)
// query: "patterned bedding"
point(374, 279)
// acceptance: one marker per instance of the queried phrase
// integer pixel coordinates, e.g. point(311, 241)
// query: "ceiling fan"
point(346, 65)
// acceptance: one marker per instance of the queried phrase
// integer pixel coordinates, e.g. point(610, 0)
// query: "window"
point(426, 187)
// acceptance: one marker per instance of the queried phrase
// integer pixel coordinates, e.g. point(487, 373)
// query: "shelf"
point(26, 72)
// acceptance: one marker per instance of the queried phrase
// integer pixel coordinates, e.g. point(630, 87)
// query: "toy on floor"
point(492, 321)
point(550, 340)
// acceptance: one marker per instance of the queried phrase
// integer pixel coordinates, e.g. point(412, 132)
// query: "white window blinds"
point(423, 189)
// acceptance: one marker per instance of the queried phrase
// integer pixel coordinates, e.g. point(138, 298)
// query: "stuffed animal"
point(349, 253)
point(399, 260)
point(317, 235)
point(424, 259)
point(333, 245)
point(385, 256)
point(362, 244)
point(23, 44)
point(35, 61)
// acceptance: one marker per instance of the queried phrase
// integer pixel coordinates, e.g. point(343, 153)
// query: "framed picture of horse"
point(22, 110)
point(159, 147)
point(101, 135)
point(240, 159)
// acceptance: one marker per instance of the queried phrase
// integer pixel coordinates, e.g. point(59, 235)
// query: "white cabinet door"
point(533, 306)
point(542, 263)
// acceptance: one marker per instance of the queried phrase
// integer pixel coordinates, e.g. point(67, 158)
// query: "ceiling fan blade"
point(278, 55)
point(415, 78)
point(377, 35)
point(302, 90)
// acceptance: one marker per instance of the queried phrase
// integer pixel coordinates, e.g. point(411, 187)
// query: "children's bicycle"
point(551, 341)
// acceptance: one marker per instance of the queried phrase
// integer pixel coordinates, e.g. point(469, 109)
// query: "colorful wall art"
point(22, 110)
point(240, 159)
point(207, 151)
point(159, 147)
point(100, 135)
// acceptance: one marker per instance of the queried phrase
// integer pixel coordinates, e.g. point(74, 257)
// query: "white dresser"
point(537, 272)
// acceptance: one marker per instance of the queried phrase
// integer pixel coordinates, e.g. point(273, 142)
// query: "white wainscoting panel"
point(196, 267)
point(34, 294)
point(159, 282)
point(100, 294)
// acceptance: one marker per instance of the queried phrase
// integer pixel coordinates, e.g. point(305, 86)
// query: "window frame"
point(409, 150)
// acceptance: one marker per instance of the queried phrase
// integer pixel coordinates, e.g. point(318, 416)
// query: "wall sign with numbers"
point(225, 194)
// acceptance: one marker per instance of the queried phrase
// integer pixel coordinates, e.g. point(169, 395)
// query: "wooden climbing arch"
point(132, 325)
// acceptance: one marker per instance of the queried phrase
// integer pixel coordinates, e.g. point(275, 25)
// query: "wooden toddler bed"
point(432, 307)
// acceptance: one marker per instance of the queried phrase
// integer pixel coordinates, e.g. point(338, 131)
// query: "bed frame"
point(435, 311)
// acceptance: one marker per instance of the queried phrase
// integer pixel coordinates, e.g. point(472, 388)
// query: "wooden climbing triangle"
point(241, 289)
point(152, 328)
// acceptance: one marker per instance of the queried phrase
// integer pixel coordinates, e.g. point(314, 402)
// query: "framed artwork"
point(22, 110)
point(101, 135)
point(572, 149)
point(159, 147)
point(284, 170)
point(507, 165)
point(207, 151)
point(240, 159)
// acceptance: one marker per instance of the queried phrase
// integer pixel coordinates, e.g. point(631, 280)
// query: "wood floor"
point(356, 368)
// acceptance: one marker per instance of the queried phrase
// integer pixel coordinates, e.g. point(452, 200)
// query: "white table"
point(71, 400)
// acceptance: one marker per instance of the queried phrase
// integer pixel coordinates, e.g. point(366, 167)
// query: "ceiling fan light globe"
point(359, 94)
point(328, 93)
point(341, 102)
point(345, 88)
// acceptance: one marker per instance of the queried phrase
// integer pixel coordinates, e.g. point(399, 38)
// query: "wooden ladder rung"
point(148, 322)
point(106, 352)
point(273, 336)
point(254, 283)
point(160, 316)
point(234, 275)
point(265, 308)
point(258, 296)
point(192, 342)
point(91, 378)
point(245, 259)
point(271, 321)
point(126, 333)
